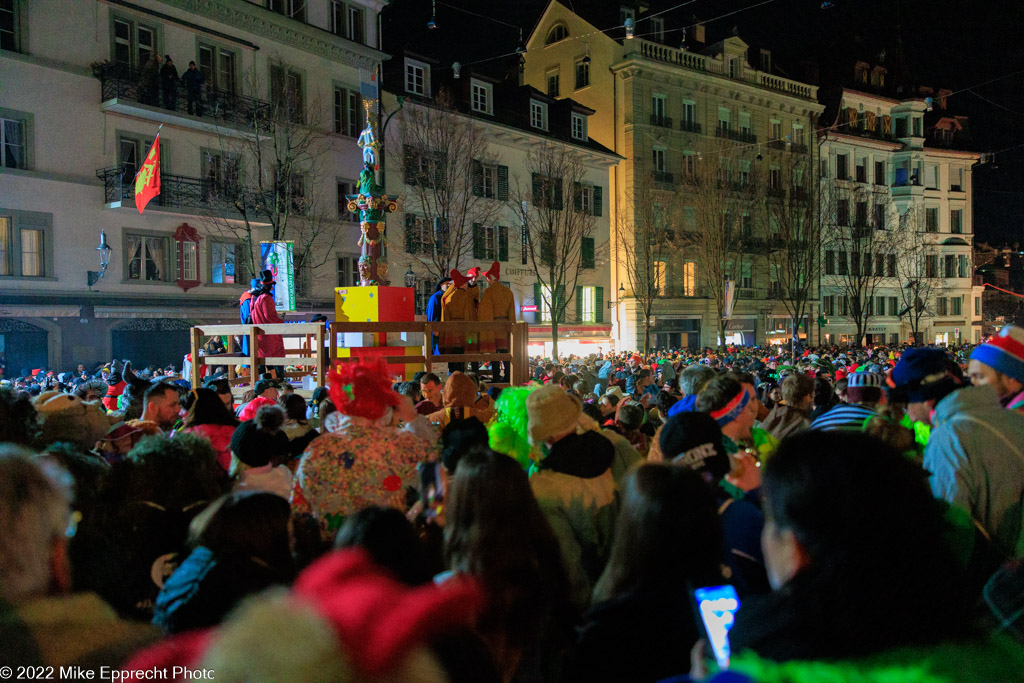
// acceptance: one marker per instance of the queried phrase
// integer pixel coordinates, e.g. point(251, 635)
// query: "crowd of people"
point(867, 506)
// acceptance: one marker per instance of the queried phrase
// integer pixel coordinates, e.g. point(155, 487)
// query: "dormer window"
point(558, 32)
point(538, 114)
point(658, 29)
point(417, 77)
point(579, 127)
point(481, 96)
point(766, 61)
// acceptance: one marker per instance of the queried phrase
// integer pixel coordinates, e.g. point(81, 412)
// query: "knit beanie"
point(694, 440)
point(551, 412)
point(1005, 353)
point(257, 442)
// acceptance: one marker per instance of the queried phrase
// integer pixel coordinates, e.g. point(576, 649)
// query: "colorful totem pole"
point(372, 204)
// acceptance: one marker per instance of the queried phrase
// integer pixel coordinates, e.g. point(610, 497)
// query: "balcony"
point(689, 126)
point(777, 144)
point(662, 177)
point(180, 194)
point(122, 91)
point(798, 148)
point(723, 131)
point(662, 121)
point(752, 293)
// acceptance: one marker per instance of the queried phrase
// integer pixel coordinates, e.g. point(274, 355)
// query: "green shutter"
point(503, 183)
point(598, 199)
point(537, 188)
point(577, 196)
point(587, 257)
point(440, 169)
point(502, 243)
point(409, 159)
point(557, 185)
point(478, 241)
point(478, 179)
point(599, 305)
point(537, 300)
point(410, 226)
point(579, 304)
point(563, 302)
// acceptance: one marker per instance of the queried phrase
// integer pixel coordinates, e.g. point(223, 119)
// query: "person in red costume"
point(264, 313)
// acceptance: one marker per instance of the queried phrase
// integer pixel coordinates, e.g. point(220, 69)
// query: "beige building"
point(662, 106)
point(905, 157)
point(78, 116)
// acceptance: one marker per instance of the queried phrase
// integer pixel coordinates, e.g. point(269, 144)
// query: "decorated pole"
point(372, 204)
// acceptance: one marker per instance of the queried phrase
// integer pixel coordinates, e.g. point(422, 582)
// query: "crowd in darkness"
point(866, 505)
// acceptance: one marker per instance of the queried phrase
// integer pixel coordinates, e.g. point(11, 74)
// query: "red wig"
point(361, 389)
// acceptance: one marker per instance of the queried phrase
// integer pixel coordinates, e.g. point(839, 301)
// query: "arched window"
point(558, 32)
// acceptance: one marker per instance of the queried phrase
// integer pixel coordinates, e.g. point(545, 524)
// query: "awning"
point(741, 325)
point(13, 311)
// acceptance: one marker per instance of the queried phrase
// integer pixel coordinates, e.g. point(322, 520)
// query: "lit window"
point(579, 126)
point(146, 260)
point(481, 96)
point(544, 304)
point(538, 114)
point(226, 264)
point(659, 278)
point(348, 115)
point(689, 279)
point(588, 304)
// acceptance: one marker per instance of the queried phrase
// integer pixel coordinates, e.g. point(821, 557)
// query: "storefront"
point(741, 331)
point(575, 340)
point(780, 331)
point(676, 332)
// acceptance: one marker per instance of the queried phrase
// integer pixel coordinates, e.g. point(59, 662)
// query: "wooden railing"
point(315, 356)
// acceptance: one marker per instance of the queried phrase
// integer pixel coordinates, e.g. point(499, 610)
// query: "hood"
point(459, 390)
point(966, 399)
point(585, 455)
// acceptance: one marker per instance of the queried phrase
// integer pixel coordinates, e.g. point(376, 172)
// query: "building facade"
point(80, 108)
point(897, 192)
point(665, 107)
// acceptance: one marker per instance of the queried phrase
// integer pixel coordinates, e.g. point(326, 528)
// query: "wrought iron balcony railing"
point(182, 192)
point(662, 177)
point(659, 120)
point(689, 126)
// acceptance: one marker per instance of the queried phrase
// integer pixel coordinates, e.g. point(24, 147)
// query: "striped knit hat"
point(1005, 353)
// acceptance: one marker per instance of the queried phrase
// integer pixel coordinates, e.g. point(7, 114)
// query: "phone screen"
point(717, 606)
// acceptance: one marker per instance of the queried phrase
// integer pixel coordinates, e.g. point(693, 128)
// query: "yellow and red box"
point(404, 371)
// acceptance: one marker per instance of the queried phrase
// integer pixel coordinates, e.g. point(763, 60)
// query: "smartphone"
point(717, 606)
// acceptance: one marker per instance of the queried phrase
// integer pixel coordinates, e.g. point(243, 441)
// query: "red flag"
point(147, 182)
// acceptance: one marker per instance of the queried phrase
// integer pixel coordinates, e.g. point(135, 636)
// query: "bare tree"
point(453, 183)
point(718, 200)
point(917, 272)
point(789, 231)
point(274, 177)
point(647, 224)
point(557, 218)
point(858, 239)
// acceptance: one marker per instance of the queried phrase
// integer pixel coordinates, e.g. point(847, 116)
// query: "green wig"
point(507, 430)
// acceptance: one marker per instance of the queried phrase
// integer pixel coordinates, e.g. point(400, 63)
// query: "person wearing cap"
point(496, 304)
point(266, 388)
point(864, 396)
point(264, 312)
point(257, 448)
point(975, 453)
point(1000, 364)
point(793, 415)
point(457, 306)
point(574, 485)
point(734, 408)
point(695, 441)
point(245, 309)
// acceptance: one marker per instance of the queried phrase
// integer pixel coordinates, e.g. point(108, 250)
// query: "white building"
point(72, 141)
point(517, 120)
point(901, 154)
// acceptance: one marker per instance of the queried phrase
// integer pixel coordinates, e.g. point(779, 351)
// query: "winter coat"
point(457, 305)
point(219, 437)
point(193, 80)
point(264, 313)
point(784, 420)
point(576, 491)
point(460, 392)
point(244, 313)
point(976, 458)
point(434, 315)
point(496, 304)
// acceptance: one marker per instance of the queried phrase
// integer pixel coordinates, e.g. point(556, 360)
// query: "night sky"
point(951, 44)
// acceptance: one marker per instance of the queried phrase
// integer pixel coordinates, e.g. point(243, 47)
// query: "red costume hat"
point(495, 271)
point(473, 272)
point(361, 389)
point(458, 279)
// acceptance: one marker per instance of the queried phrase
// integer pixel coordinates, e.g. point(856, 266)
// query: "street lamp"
point(93, 276)
point(410, 277)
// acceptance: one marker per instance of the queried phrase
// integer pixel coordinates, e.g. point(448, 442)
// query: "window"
point(131, 151)
point(745, 123)
point(841, 258)
point(547, 192)
point(746, 273)
point(854, 263)
point(956, 305)
point(941, 306)
point(349, 21)
point(626, 13)
point(828, 304)
point(956, 179)
point(9, 25)
point(963, 266)
point(931, 177)
point(217, 66)
point(917, 121)
point(894, 306)
point(724, 120)
point(220, 176)
point(417, 77)
point(842, 212)
point(657, 33)
point(880, 216)
point(12, 144)
point(348, 270)
point(552, 81)
point(798, 135)
point(659, 278)
point(544, 302)
point(862, 214)
point(931, 265)
point(830, 262)
point(418, 235)
point(689, 115)
point(890, 265)
point(226, 264)
point(744, 172)
point(558, 32)
point(146, 258)
point(587, 304)
point(490, 180)
point(862, 170)
point(485, 242)
point(977, 305)
point(587, 256)
point(880, 264)
point(538, 114)
point(844, 305)
point(842, 167)
point(658, 110)
point(901, 127)
point(880, 173)
point(734, 67)
point(303, 275)
point(134, 43)
point(823, 168)
point(348, 115)
point(879, 305)
point(579, 126)
point(949, 265)
point(295, 9)
point(346, 187)
point(658, 159)
point(931, 220)
point(775, 178)
point(766, 60)
point(956, 221)
point(424, 289)
point(775, 131)
point(286, 93)
point(582, 73)
point(480, 96)
point(292, 189)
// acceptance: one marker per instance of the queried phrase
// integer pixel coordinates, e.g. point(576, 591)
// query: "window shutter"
point(478, 241)
point(410, 227)
point(598, 192)
point(440, 169)
point(503, 183)
point(579, 304)
point(577, 196)
point(557, 185)
point(587, 247)
point(537, 298)
point(478, 179)
point(599, 305)
point(536, 190)
point(409, 160)
point(502, 243)
point(561, 300)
